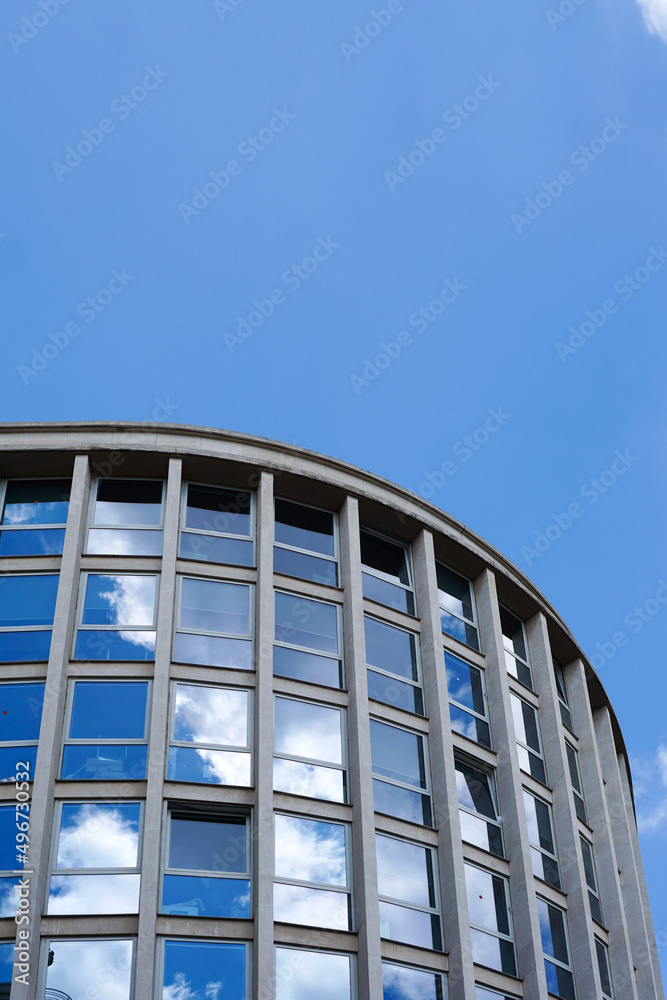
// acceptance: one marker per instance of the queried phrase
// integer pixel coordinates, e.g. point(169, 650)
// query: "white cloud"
point(655, 16)
point(84, 969)
point(181, 989)
point(650, 785)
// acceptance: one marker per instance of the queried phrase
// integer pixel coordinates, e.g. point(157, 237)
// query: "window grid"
point(591, 881)
point(390, 581)
point(153, 540)
point(434, 909)
point(565, 983)
point(497, 881)
point(198, 538)
point(532, 758)
point(313, 554)
point(40, 650)
point(468, 622)
point(312, 651)
point(180, 987)
point(33, 691)
point(540, 829)
point(575, 780)
point(423, 790)
point(96, 743)
point(233, 649)
point(602, 953)
point(318, 762)
point(12, 534)
point(563, 698)
point(479, 718)
point(95, 640)
point(415, 683)
point(515, 644)
point(484, 775)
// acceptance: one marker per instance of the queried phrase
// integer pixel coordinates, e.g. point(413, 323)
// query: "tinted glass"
point(589, 867)
point(404, 871)
point(297, 904)
point(401, 802)
point(203, 969)
point(20, 647)
point(552, 929)
point(213, 509)
point(214, 767)
point(310, 850)
point(464, 684)
point(539, 822)
point(305, 730)
point(304, 527)
point(78, 968)
point(27, 600)
point(124, 600)
point(394, 692)
point(513, 634)
point(32, 542)
point(474, 790)
point(122, 501)
point(454, 592)
point(216, 548)
point(573, 765)
point(302, 975)
point(487, 904)
point(36, 501)
point(109, 710)
point(304, 566)
point(469, 726)
point(98, 893)
point(203, 896)
point(400, 923)
point(6, 962)
point(124, 542)
point(217, 716)
point(385, 557)
point(302, 622)
point(8, 842)
point(207, 844)
point(304, 666)
point(107, 644)
point(397, 754)
point(390, 649)
point(214, 606)
point(8, 762)
point(212, 650)
point(603, 967)
point(20, 711)
point(104, 762)
point(525, 723)
point(400, 983)
point(310, 780)
point(99, 835)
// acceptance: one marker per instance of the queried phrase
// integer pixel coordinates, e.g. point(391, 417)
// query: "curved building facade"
point(287, 731)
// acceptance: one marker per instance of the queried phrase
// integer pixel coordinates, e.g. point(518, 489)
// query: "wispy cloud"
point(655, 16)
point(650, 784)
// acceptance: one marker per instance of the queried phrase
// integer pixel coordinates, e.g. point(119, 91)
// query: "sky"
point(422, 237)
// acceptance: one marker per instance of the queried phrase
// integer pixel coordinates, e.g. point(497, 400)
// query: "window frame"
point(160, 953)
point(56, 824)
point(351, 956)
point(385, 577)
point(577, 793)
point(438, 974)
point(90, 518)
point(419, 683)
point(425, 792)
point(31, 628)
point(563, 696)
point(45, 948)
point(178, 607)
point(435, 910)
point(566, 937)
point(473, 603)
point(339, 655)
point(250, 722)
point(537, 847)
point(84, 576)
point(205, 532)
point(508, 907)
point(206, 811)
point(508, 652)
point(538, 753)
point(593, 890)
point(490, 774)
point(335, 558)
point(15, 682)
point(602, 949)
point(347, 889)
point(343, 766)
point(464, 708)
point(4, 483)
point(115, 741)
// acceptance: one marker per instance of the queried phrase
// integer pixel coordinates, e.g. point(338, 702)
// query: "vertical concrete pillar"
point(524, 905)
point(606, 866)
point(264, 959)
point(367, 910)
point(461, 976)
point(157, 749)
point(50, 736)
point(573, 876)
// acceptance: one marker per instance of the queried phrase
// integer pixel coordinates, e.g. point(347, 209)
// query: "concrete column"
point(524, 905)
point(264, 864)
point(573, 876)
point(461, 977)
point(50, 736)
point(157, 746)
point(606, 866)
point(366, 906)
point(647, 988)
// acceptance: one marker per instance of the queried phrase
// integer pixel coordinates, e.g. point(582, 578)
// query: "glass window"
point(399, 769)
point(395, 677)
point(117, 617)
point(516, 647)
point(483, 993)
point(309, 750)
point(306, 543)
point(213, 624)
point(302, 975)
point(575, 778)
point(207, 864)
point(478, 805)
point(7, 966)
point(457, 606)
point(20, 718)
point(77, 968)
point(27, 607)
point(204, 969)
point(591, 881)
point(14, 823)
point(490, 920)
point(126, 517)
point(96, 867)
point(307, 640)
point(34, 513)
point(541, 837)
point(467, 700)
point(402, 983)
point(106, 731)
point(526, 728)
point(386, 576)
point(407, 879)
point(602, 953)
point(217, 525)
point(553, 929)
point(563, 700)
point(312, 881)
point(210, 735)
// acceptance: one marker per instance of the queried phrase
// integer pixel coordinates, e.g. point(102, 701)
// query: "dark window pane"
point(123, 502)
point(109, 710)
point(474, 791)
point(200, 968)
point(596, 908)
point(552, 928)
point(391, 649)
point(21, 647)
point(303, 622)
point(213, 651)
point(106, 762)
point(470, 726)
point(387, 593)
point(303, 666)
point(215, 606)
point(573, 766)
point(215, 548)
point(36, 501)
point(124, 542)
point(559, 981)
point(202, 896)
point(27, 601)
point(127, 600)
point(207, 844)
point(32, 542)
point(20, 711)
point(304, 527)
point(395, 692)
point(9, 756)
point(305, 567)
point(454, 592)
point(464, 684)
point(212, 509)
point(603, 967)
point(401, 802)
point(544, 826)
point(513, 633)
point(580, 808)
point(397, 754)
point(566, 716)
point(108, 644)
point(384, 556)
point(589, 868)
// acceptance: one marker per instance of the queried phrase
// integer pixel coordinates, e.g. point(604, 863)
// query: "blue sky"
point(224, 213)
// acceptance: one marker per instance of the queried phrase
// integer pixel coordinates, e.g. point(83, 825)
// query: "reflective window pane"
point(416, 927)
point(304, 566)
point(384, 556)
point(302, 975)
point(216, 548)
point(525, 723)
point(304, 527)
point(27, 601)
point(298, 904)
point(303, 622)
point(8, 762)
point(124, 542)
point(398, 754)
point(207, 843)
point(99, 835)
point(475, 790)
point(309, 780)
point(603, 968)
point(306, 730)
point(202, 896)
point(78, 968)
point(23, 647)
point(391, 649)
point(482, 993)
point(394, 692)
point(90, 894)
point(32, 542)
point(454, 592)
point(310, 850)
point(513, 637)
point(393, 800)
point(104, 762)
point(464, 684)
point(210, 970)
point(212, 651)
point(213, 767)
point(128, 502)
point(109, 710)
point(9, 855)
point(404, 871)
point(20, 711)
point(36, 501)
point(126, 600)
point(107, 644)
point(401, 983)
point(214, 606)
point(217, 716)
point(209, 508)
point(552, 929)
point(6, 965)
point(382, 592)
point(470, 726)
point(304, 666)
